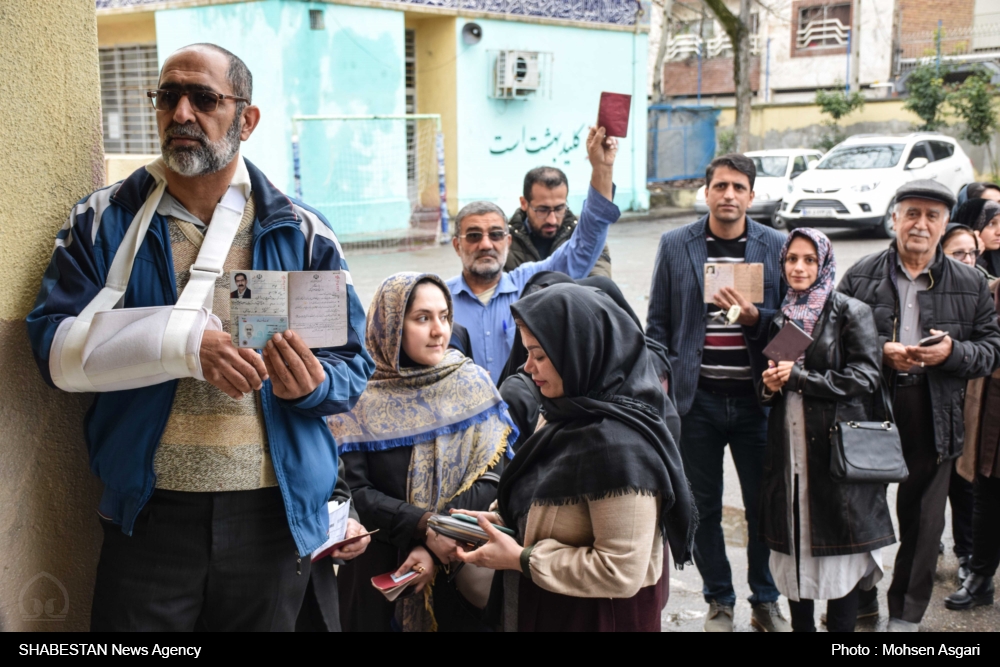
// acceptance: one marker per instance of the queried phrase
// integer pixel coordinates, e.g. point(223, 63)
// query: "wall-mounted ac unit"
point(516, 74)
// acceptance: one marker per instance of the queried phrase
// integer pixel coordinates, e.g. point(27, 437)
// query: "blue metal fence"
point(681, 141)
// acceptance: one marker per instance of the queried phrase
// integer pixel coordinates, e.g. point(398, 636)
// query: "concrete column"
point(50, 156)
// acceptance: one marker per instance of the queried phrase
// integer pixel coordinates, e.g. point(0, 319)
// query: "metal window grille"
point(823, 27)
point(411, 108)
point(127, 72)
point(316, 20)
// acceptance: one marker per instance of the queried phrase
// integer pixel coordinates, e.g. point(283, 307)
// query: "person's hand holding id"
point(295, 371)
point(355, 549)
point(727, 297)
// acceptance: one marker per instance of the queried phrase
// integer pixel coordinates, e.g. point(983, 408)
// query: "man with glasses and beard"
point(216, 461)
point(482, 294)
point(544, 222)
point(915, 292)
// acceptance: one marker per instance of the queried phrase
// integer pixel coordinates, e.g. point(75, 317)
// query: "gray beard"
point(208, 158)
point(486, 274)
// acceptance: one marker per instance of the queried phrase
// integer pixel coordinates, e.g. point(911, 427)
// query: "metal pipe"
point(937, 39)
point(767, 71)
point(847, 81)
point(699, 73)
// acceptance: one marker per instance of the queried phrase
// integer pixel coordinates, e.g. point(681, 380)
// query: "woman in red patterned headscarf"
point(825, 536)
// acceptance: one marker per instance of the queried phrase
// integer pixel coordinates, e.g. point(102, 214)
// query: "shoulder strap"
point(197, 294)
point(112, 292)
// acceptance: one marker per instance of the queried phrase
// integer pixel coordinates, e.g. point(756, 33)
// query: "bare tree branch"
point(738, 29)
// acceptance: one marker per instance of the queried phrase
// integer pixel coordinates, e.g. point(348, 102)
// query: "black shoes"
point(976, 591)
point(963, 569)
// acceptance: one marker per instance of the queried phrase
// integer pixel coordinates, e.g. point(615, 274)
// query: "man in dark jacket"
point(915, 292)
point(543, 223)
point(715, 362)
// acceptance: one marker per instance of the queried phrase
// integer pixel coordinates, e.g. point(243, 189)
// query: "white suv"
point(855, 183)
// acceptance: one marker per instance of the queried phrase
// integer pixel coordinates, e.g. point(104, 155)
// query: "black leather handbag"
point(868, 451)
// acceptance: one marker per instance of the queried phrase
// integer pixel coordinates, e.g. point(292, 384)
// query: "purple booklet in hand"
point(790, 343)
point(613, 114)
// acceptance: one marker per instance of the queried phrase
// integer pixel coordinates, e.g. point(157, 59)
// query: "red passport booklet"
point(613, 114)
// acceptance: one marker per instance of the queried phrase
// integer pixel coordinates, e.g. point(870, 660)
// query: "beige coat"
point(607, 548)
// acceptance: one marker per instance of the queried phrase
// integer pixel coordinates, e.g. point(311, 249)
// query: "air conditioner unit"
point(516, 74)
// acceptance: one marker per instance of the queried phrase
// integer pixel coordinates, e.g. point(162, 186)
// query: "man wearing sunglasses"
point(216, 461)
point(544, 222)
point(482, 294)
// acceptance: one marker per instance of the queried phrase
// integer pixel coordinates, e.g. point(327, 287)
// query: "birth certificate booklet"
point(313, 304)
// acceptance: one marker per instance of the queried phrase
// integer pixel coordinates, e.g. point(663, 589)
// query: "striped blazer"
point(677, 312)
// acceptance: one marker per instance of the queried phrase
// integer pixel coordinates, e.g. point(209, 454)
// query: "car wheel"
point(884, 230)
point(778, 222)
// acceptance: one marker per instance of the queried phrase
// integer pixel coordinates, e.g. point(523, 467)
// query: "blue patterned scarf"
point(805, 307)
point(451, 413)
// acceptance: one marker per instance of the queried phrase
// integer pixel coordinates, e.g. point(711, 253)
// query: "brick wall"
point(923, 15)
point(681, 77)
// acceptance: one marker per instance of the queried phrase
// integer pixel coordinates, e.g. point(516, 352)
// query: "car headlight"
point(864, 187)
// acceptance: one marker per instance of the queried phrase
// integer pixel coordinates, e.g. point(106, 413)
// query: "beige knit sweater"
point(607, 548)
point(212, 442)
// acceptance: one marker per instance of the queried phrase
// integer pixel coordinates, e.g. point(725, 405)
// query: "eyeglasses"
point(205, 101)
point(496, 235)
point(963, 254)
point(546, 210)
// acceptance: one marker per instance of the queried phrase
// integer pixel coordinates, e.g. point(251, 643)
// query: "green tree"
point(974, 103)
point(927, 95)
point(836, 103)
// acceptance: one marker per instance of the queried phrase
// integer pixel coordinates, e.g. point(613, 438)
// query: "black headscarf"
point(606, 435)
point(518, 355)
point(976, 213)
point(521, 394)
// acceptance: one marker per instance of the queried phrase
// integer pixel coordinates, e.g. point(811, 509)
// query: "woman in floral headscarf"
point(825, 537)
point(429, 433)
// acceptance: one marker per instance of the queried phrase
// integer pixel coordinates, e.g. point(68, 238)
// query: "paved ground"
point(633, 250)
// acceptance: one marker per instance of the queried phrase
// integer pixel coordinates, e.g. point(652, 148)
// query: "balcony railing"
point(681, 47)
point(821, 34)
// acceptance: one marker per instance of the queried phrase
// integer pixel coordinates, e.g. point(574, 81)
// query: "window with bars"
point(127, 72)
point(823, 26)
point(411, 107)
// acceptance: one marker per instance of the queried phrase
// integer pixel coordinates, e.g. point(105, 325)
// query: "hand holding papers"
point(392, 586)
point(747, 279)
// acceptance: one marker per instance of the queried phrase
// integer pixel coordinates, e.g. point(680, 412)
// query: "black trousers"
point(221, 561)
point(986, 543)
point(961, 498)
point(920, 506)
point(841, 614)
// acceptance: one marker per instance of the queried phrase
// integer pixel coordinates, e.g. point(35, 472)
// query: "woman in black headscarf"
point(595, 493)
point(521, 394)
point(983, 217)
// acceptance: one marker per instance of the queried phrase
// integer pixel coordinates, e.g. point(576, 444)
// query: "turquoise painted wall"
point(585, 63)
point(354, 172)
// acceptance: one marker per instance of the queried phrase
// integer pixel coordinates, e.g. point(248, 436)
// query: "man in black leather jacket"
point(914, 292)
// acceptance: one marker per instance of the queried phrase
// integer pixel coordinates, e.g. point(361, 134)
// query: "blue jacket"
point(677, 312)
point(123, 428)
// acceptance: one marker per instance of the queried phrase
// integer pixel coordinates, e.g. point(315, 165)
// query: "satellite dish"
point(472, 33)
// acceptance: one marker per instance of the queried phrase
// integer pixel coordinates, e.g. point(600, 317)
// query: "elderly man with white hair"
point(915, 293)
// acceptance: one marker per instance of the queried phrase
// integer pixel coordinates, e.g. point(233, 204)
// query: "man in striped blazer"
point(715, 365)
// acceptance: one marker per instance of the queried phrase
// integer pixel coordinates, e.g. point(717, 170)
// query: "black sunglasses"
point(205, 101)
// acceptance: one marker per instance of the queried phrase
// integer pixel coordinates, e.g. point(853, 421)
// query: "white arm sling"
point(106, 348)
